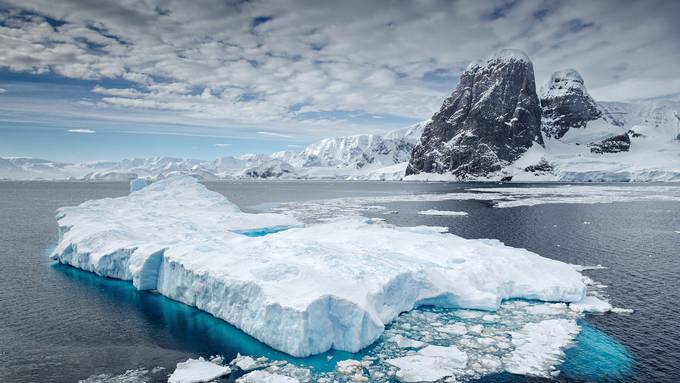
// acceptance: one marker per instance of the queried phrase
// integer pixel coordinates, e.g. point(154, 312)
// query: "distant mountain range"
point(495, 126)
point(366, 156)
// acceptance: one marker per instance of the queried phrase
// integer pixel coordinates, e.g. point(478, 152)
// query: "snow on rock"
point(442, 212)
point(539, 347)
point(197, 370)
point(262, 376)
point(430, 364)
point(489, 121)
point(304, 290)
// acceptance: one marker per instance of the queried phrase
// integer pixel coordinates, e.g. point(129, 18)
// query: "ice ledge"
point(304, 290)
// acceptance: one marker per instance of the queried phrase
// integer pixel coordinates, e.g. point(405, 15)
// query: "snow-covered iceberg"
point(303, 290)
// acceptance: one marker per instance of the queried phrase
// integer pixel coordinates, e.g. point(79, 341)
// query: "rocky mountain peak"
point(566, 104)
point(491, 118)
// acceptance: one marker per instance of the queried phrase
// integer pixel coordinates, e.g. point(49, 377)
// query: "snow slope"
point(304, 290)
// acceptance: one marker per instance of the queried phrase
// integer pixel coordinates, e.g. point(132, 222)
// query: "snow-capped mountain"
point(491, 119)
point(494, 126)
point(487, 130)
point(356, 157)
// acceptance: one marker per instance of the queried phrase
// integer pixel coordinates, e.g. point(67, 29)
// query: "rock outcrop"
point(491, 118)
point(566, 104)
point(616, 144)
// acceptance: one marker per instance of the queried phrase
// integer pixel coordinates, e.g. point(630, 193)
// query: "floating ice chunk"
point(403, 342)
point(262, 376)
point(197, 370)
point(247, 363)
point(591, 304)
point(547, 309)
point(430, 364)
point(350, 367)
point(583, 268)
point(442, 212)
point(538, 347)
point(304, 290)
point(454, 329)
point(620, 310)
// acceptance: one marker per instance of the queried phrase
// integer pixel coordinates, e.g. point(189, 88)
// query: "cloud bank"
point(312, 66)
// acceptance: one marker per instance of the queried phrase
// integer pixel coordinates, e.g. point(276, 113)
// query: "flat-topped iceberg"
point(303, 290)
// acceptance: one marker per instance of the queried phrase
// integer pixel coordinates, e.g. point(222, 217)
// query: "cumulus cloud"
point(83, 131)
point(303, 64)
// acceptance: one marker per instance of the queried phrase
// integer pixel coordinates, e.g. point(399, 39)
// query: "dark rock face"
point(616, 144)
point(566, 104)
point(491, 118)
point(542, 166)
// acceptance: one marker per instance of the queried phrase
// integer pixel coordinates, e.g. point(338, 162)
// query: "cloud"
point(221, 145)
point(3, 90)
point(302, 64)
point(274, 134)
point(83, 131)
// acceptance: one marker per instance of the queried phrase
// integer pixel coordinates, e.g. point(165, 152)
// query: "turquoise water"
point(596, 357)
point(262, 231)
point(191, 329)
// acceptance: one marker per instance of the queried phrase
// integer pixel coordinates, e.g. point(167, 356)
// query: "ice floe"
point(504, 197)
point(442, 212)
point(539, 346)
point(500, 197)
point(262, 376)
point(591, 304)
point(429, 364)
point(197, 371)
point(304, 290)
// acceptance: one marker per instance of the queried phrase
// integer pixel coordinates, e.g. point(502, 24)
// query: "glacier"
point(308, 288)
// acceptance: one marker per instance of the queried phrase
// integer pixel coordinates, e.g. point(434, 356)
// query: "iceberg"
point(303, 290)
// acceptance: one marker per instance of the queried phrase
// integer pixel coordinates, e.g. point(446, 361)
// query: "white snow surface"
point(591, 304)
point(262, 376)
point(304, 290)
point(429, 364)
point(539, 347)
point(197, 371)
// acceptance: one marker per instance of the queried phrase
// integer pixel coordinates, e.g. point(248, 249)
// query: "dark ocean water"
point(59, 324)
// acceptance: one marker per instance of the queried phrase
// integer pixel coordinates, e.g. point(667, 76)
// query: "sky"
point(85, 80)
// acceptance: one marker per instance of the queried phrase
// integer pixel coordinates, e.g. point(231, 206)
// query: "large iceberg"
point(303, 290)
